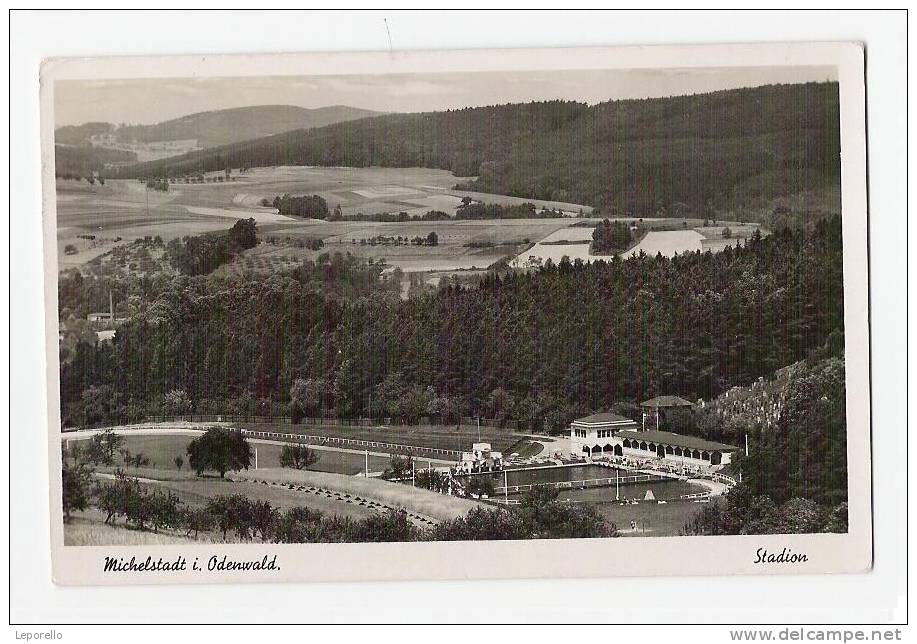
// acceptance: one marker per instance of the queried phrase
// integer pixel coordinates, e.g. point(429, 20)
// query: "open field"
point(667, 236)
point(435, 436)
point(162, 450)
point(124, 210)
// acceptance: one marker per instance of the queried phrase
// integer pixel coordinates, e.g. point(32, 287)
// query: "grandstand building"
point(610, 435)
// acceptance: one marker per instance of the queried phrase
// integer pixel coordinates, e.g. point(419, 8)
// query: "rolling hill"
point(218, 127)
point(724, 149)
point(71, 161)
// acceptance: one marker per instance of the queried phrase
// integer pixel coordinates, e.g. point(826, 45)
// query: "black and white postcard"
point(457, 314)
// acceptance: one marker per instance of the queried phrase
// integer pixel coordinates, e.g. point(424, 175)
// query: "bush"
point(297, 457)
point(480, 485)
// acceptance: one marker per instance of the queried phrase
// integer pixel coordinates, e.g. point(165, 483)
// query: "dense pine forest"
point(725, 149)
point(541, 347)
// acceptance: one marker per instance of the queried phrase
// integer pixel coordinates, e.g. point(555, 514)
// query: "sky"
point(149, 101)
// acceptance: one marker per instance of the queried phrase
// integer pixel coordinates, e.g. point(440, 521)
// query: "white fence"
point(349, 442)
point(584, 483)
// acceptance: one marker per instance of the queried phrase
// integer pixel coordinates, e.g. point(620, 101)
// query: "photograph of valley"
point(450, 306)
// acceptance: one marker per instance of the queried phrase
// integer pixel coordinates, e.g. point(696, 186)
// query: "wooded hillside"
point(724, 149)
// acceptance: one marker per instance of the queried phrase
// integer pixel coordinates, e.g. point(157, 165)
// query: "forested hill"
point(219, 127)
point(720, 149)
point(543, 347)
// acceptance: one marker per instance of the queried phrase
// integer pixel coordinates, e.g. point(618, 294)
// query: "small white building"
point(594, 435)
point(481, 458)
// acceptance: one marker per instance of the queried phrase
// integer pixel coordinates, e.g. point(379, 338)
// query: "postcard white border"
point(851, 552)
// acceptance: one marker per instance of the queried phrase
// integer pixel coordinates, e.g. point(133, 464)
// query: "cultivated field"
point(667, 236)
point(124, 210)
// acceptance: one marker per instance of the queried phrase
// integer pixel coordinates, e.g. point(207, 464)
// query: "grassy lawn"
point(435, 436)
point(525, 449)
point(431, 504)
point(88, 528)
point(200, 491)
point(162, 450)
point(653, 519)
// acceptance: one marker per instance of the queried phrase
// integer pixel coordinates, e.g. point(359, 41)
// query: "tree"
point(196, 519)
point(481, 485)
point(102, 447)
point(219, 449)
point(75, 481)
point(244, 233)
point(264, 519)
point(309, 393)
point(179, 462)
point(232, 513)
point(70, 249)
point(400, 467)
point(176, 403)
point(610, 237)
point(432, 238)
point(140, 460)
point(297, 457)
point(164, 511)
point(727, 232)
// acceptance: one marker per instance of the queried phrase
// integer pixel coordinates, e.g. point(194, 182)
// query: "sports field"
point(452, 437)
point(162, 450)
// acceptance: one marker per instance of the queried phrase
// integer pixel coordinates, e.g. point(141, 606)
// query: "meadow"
point(87, 528)
point(124, 210)
point(199, 491)
point(669, 236)
point(162, 450)
point(438, 506)
point(121, 211)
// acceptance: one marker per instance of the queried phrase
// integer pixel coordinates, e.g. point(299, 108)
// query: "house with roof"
point(658, 410)
point(595, 435)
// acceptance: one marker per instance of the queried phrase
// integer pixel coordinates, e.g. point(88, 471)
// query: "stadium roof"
point(666, 401)
point(603, 418)
point(678, 440)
